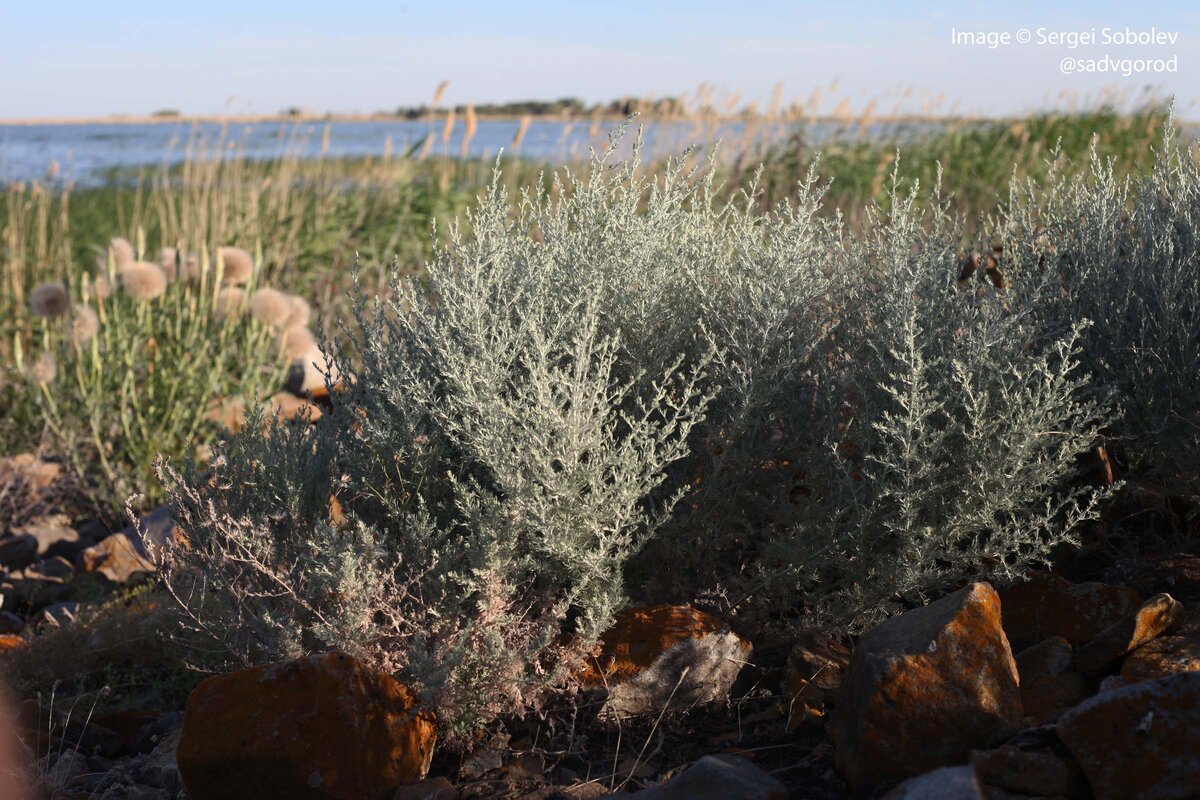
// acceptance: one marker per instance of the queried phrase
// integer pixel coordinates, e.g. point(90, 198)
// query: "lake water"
point(86, 154)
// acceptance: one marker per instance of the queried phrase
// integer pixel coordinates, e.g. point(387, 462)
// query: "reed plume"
point(239, 265)
point(270, 307)
point(143, 281)
point(49, 300)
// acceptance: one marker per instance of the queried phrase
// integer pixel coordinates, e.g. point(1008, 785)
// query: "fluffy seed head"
point(229, 303)
point(300, 312)
point(166, 260)
point(122, 251)
point(49, 300)
point(270, 307)
point(295, 341)
point(239, 265)
point(44, 368)
point(84, 324)
point(101, 288)
point(142, 280)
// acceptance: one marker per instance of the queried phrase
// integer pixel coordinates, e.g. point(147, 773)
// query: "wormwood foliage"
point(618, 385)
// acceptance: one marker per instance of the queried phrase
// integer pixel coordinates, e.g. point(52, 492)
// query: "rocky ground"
point(1079, 682)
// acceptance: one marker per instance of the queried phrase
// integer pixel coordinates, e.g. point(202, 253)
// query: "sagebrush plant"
point(135, 373)
point(619, 384)
point(498, 465)
point(1124, 251)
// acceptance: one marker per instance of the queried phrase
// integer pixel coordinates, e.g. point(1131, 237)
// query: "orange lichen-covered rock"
point(656, 656)
point(1156, 616)
point(1045, 697)
point(1166, 655)
point(10, 642)
point(319, 728)
point(640, 635)
point(1048, 605)
point(1139, 741)
point(924, 689)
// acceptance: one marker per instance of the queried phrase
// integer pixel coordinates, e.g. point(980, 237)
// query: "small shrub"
point(132, 374)
point(496, 469)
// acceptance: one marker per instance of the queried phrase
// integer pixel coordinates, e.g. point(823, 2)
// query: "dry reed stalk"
point(469, 133)
point(521, 129)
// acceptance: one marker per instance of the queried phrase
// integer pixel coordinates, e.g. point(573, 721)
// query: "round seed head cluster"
point(49, 300)
point(296, 341)
point(270, 307)
point(300, 313)
point(166, 260)
point(84, 324)
point(44, 368)
point(143, 281)
point(121, 250)
point(229, 302)
point(239, 265)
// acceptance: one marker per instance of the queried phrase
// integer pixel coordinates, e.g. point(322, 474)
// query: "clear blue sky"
point(73, 58)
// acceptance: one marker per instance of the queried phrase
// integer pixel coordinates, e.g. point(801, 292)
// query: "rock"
point(32, 472)
point(68, 766)
point(54, 536)
point(10, 623)
point(18, 551)
point(947, 783)
point(924, 689)
point(324, 727)
point(1048, 605)
point(160, 769)
point(1112, 682)
point(1139, 741)
point(1177, 574)
point(10, 641)
point(1046, 658)
point(1166, 655)
point(812, 677)
point(1047, 696)
point(720, 777)
point(118, 558)
point(1031, 772)
point(653, 655)
point(61, 613)
point(1157, 615)
point(429, 789)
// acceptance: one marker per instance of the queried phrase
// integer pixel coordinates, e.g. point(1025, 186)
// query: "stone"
point(718, 777)
point(1048, 605)
point(813, 674)
point(1047, 658)
point(54, 536)
point(117, 558)
point(1166, 655)
point(160, 769)
point(946, 783)
point(1037, 772)
point(61, 613)
point(1156, 616)
point(324, 727)
point(1139, 741)
point(9, 622)
point(68, 766)
point(18, 551)
point(655, 655)
point(438, 788)
point(925, 688)
point(1046, 696)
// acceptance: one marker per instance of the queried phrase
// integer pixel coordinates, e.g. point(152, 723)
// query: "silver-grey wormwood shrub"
point(620, 385)
point(1125, 253)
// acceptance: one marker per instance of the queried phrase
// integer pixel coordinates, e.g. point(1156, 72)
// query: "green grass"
point(976, 159)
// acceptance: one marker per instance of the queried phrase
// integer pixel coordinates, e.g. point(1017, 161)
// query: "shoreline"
point(252, 119)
